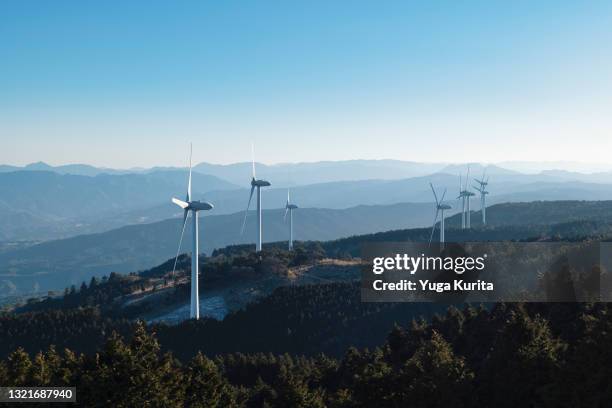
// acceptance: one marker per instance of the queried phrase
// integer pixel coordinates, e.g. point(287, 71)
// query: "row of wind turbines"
point(464, 196)
point(192, 207)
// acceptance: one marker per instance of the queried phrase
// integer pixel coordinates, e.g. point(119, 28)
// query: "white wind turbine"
point(192, 206)
point(440, 208)
point(465, 195)
point(289, 209)
point(462, 197)
point(255, 183)
point(483, 192)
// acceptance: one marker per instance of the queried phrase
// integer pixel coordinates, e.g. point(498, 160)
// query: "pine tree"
point(206, 387)
point(18, 368)
point(434, 377)
point(523, 363)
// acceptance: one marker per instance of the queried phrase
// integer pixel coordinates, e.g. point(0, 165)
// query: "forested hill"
point(57, 264)
point(544, 355)
point(237, 265)
point(537, 212)
point(305, 319)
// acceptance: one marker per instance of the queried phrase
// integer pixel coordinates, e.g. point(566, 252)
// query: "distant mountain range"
point(57, 264)
point(42, 205)
point(74, 169)
point(285, 174)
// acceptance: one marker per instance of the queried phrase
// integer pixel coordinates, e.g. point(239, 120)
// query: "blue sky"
point(131, 83)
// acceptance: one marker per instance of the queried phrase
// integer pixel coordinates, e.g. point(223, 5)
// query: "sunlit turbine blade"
point(180, 203)
point(435, 195)
point(253, 159)
point(433, 228)
point(246, 213)
point(178, 251)
point(189, 182)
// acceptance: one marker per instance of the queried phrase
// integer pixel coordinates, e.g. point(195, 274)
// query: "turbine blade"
point(189, 182)
point(443, 194)
point(246, 213)
point(178, 251)
point(288, 197)
point(180, 203)
point(253, 160)
point(285, 216)
point(467, 177)
point(435, 195)
point(433, 228)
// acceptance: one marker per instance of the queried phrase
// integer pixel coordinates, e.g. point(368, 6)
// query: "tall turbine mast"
point(464, 195)
point(483, 192)
point(289, 209)
point(194, 207)
point(255, 183)
point(440, 208)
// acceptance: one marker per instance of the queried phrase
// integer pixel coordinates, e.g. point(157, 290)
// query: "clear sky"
point(130, 83)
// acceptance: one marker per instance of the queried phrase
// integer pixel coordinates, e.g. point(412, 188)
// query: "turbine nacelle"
point(259, 183)
point(291, 206)
point(195, 205)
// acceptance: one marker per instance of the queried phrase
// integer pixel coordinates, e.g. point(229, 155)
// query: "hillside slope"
point(57, 264)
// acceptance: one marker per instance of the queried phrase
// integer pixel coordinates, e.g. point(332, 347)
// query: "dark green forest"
point(309, 345)
point(508, 355)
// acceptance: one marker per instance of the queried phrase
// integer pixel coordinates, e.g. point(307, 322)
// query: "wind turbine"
point(289, 209)
point(440, 208)
point(483, 192)
point(465, 194)
point(255, 183)
point(192, 206)
point(462, 197)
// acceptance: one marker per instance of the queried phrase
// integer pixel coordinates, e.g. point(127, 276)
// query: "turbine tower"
point(465, 195)
point(440, 208)
point(483, 192)
point(289, 209)
point(191, 206)
point(255, 183)
point(462, 197)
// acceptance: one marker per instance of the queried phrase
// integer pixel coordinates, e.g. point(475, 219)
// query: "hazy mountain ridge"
point(51, 206)
point(340, 170)
point(56, 264)
point(65, 203)
point(136, 247)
